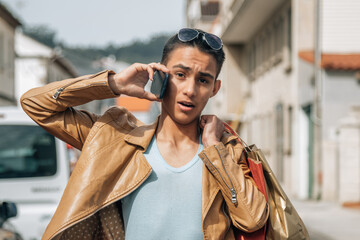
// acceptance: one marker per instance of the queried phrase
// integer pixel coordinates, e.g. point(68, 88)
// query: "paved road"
point(329, 221)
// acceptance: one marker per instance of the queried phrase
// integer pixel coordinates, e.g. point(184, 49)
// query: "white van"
point(34, 170)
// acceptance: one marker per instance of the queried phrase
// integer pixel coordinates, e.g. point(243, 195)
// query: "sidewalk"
point(329, 221)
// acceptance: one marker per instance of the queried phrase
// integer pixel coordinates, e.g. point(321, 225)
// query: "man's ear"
point(217, 86)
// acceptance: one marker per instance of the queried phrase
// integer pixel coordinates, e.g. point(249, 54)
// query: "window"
point(249, 61)
point(269, 46)
point(279, 38)
point(2, 52)
point(26, 151)
point(290, 126)
point(288, 51)
point(270, 43)
point(10, 63)
point(279, 141)
point(263, 51)
point(289, 38)
point(258, 54)
point(281, 35)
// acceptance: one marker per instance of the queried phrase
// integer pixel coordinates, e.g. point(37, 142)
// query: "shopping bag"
point(256, 172)
point(284, 223)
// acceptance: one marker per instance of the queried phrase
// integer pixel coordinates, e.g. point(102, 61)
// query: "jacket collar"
point(142, 135)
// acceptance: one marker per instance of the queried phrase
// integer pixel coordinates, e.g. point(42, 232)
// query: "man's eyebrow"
point(203, 74)
point(182, 67)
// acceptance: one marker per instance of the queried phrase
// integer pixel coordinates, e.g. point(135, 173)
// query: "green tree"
point(42, 34)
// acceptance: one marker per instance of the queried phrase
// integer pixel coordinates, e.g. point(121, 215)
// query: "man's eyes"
point(204, 81)
point(179, 74)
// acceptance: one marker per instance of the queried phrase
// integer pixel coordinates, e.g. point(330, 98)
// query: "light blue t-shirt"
point(168, 204)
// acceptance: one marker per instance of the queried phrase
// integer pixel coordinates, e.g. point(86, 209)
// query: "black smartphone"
point(159, 84)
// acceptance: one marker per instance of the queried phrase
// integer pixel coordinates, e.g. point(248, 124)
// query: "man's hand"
point(213, 129)
point(132, 80)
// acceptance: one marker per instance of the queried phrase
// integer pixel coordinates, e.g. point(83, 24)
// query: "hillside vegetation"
point(84, 58)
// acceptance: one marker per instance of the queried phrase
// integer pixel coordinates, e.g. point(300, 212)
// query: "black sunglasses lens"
point(187, 34)
point(213, 41)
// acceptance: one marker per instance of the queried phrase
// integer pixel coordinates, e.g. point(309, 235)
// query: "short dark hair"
point(174, 42)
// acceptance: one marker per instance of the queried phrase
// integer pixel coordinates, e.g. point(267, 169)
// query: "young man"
point(181, 177)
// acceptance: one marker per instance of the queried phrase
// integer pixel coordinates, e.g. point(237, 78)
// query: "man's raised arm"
point(51, 106)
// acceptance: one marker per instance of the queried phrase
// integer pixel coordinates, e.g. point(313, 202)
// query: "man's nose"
point(190, 88)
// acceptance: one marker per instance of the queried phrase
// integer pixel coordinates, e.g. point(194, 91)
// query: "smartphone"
point(159, 84)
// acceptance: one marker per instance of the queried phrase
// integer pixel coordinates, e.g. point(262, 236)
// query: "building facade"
point(38, 64)
point(8, 25)
point(275, 95)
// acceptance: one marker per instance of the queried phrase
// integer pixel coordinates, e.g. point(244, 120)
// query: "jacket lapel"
point(142, 135)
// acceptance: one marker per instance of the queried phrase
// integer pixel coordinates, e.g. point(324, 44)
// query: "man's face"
point(192, 82)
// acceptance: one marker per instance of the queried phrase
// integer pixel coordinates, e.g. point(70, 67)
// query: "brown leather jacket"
point(112, 165)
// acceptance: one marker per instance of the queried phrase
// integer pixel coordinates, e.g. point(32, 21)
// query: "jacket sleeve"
point(51, 106)
point(247, 206)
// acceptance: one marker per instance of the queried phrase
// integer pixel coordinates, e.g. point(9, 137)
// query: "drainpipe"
point(317, 114)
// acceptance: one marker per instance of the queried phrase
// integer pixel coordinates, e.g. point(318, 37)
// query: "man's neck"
point(175, 133)
point(177, 143)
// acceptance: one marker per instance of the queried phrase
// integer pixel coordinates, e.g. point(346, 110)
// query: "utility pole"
point(317, 113)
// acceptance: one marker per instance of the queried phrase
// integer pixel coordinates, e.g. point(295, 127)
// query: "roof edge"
point(334, 61)
point(8, 17)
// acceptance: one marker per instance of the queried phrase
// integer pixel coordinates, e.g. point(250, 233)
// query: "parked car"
point(7, 231)
point(34, 170)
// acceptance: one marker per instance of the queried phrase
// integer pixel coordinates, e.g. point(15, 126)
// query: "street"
point(329, 221)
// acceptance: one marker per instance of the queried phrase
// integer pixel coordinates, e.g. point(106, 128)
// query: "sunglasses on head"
point(189, 34)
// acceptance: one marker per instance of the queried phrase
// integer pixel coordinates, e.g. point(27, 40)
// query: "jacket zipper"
point(60, 90)
point(109, 203)
point(232, 190)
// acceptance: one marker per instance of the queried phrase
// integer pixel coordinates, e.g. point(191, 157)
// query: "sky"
point(99, 22)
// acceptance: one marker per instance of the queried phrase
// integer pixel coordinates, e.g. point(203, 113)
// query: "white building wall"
point(301, 167)
point(31, 64)
point(274, 87)
point(35, 65)
point(193, 12)
point(341, 95)
point(340, 26)
point(275, 82)
point(349, 161)
point(30, 73)
point(304, 17)
point(27, 47)
point(290, 81)
point(228, 102)
point(7, 57)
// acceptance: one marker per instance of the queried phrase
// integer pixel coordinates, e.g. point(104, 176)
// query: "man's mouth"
point(186, 106)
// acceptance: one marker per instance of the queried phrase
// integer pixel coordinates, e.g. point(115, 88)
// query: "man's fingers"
point(212, 120)
point(160, 67)
point(150, 70)
point(150, 96)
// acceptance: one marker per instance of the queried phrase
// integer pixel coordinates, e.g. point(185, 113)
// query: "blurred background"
point(290, 82)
